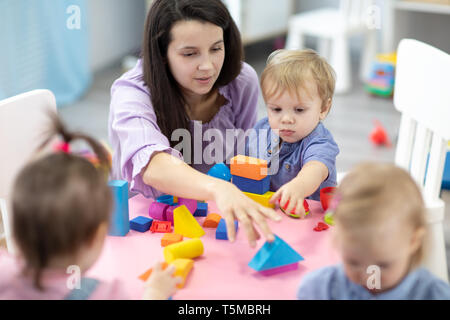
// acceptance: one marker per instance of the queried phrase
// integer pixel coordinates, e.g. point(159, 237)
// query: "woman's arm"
point(173, 176)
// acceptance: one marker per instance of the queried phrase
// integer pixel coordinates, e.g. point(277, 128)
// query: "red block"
point(161, 226)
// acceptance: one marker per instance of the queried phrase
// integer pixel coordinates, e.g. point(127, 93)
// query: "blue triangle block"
point(273, 255)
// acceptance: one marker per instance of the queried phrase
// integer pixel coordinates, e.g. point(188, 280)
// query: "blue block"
point(221, 231)
point(141, 224)
point(250, 185)
point(166, 198)
point(120, 220)
point(446, 176)
point(273, 255)
point(202, 209)
point(220, 171)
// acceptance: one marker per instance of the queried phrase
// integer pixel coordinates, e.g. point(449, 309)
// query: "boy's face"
point(296, 116)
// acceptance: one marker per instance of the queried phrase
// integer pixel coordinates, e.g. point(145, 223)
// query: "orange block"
point(147, 273)
point(248, 167)
point(212, 220)
point(169, 238)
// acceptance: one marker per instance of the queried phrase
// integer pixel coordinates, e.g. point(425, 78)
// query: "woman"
point(190, 76)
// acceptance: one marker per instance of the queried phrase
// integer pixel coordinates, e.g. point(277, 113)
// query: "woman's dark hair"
point(58, 202)
point(165, 94)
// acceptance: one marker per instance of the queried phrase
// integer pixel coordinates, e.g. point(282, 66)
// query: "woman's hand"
point(161, 284)
point(233, 204)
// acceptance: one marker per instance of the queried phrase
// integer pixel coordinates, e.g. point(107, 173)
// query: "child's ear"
point(417, 239)
point(325, 109)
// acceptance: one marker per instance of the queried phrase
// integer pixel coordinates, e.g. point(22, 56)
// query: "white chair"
point(334, 27)
point(23, 121)
point(422, 96)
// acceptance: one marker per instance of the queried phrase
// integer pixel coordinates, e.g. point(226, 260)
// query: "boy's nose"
point(286, 118)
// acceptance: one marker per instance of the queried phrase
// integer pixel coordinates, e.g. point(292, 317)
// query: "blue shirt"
point(319, 145)
point(331, 283)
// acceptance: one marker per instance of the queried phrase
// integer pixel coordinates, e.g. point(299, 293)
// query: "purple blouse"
point(135, 136)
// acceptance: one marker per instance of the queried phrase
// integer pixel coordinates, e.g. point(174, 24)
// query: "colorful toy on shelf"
point(169, 238)
point(185, 223)
point(140, 224)
point(220, 171)
point(379, 136)
point(212, 220)
point(120, 219)
point(187, 249)
point(275, 257)
point(446, 175)
point(382, 76)
point(326, 194)
point(161, 226)
point(293, 214)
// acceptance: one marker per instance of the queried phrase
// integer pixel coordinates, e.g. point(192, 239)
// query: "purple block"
point(288, 267)
point(157, 210)
point(169, 213)
point(189, 203)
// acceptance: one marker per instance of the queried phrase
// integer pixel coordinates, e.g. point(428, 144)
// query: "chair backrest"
point(23, 122)
point(355, 11)
point(422, 95)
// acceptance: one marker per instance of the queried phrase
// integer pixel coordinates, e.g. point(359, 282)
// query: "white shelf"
point(422, 7)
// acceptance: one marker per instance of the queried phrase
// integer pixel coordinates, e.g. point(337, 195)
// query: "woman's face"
point(195, 55)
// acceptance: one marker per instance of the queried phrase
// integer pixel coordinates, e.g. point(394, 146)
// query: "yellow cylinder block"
point(187, 249)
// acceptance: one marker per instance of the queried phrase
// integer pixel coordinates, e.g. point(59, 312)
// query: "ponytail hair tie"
point(62, 147)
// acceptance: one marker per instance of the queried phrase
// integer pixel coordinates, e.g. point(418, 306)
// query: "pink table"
point(222, 271)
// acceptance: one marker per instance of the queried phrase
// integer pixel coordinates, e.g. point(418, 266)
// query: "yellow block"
point(185, 223)
point(182, 269)
point(262, 198)
point(187, 249)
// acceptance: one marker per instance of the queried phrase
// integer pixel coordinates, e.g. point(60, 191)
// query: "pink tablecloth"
point(222, 272)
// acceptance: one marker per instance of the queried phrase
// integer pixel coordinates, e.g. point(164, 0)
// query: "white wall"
point(115, 29)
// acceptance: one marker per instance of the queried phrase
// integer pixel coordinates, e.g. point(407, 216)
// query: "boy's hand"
point(161, 284)
point(290, 197)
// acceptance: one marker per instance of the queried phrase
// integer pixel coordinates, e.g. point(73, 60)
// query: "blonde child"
point(297, 86)
point(379, 232)
point(61, 208)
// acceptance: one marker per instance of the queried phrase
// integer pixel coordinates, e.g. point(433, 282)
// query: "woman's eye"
point(188, 54)
point(217, 49)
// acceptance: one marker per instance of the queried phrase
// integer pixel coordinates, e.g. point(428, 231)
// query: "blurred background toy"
point(381, 79)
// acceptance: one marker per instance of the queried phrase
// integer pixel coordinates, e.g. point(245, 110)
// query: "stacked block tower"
point(250, 176)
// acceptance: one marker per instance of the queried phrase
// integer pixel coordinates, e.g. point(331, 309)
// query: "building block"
point(326, 194)
point(120, 219)
point(167, 199)
point(250, 185)
point(161, 226)
point(261, 198)
point(187, 249)
point(212, 220)
point(202, 209)
point(221, 231)
point(328, 218)
point(288, 267)
point(191, 204)
point(273, 255)
point(169, 213)
point(220, 171)
point(293, 214)
point(141, 224)
point(157, 210)
point(248, 167)
point(185, 223)
point(321, 226)
point(182, 269)
point(170, 238)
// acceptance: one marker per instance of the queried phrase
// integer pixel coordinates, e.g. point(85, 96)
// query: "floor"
point(351, 118)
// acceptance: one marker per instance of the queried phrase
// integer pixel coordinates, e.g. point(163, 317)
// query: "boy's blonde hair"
point(373, 193)
point(290, 69)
